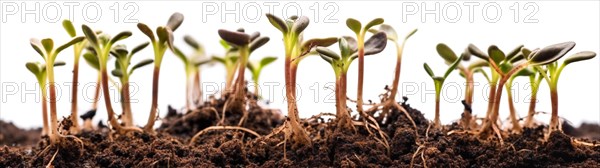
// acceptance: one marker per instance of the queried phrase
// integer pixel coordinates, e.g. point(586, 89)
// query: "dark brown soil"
point(330, 147)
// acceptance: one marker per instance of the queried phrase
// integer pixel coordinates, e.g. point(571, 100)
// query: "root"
point(409, 118)
point(222, 128)
point(222, 122)
point(423, 158)
point(582, 143)
point(52, 159)
point(216, 112)
point(412, 160)
point(244, 117)
point(498, 134)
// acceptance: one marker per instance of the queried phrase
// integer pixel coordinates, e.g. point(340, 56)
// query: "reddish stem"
point(153, 109)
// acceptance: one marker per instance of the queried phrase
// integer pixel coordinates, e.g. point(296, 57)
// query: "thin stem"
point(54, 135)
point(533, 101)
point(196, 87)
point(498, 95)
point(511, 106)
point(106, 93)
point(127, 115)
point(44, 106)
point(361, 70)
point(187, 89)
point(344, 119)
point(153, 109)
point(438, 88)
point(97, 91)
point(75, 127)
point(399, 49)
point(554, 118)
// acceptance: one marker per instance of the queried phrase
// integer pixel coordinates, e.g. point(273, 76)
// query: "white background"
point(556, 22)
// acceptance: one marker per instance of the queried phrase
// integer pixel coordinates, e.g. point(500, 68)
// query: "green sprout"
point(160, 45)
point(341, 63)
point(256, 69)
point(77, 49)
point(46, 49)
point(296, 49)
point(360, 32)
point(123, 72)
point(92, 60)
point(192, 70)
point(534, 79)
point(39, 70)
point(392, 36)
point(438, 81)
point(246, 44)
point(229, 60)
point(553, 74)
point(101, 49)
point(506, 68)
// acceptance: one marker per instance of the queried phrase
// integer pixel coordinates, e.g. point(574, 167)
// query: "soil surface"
point(171, 146)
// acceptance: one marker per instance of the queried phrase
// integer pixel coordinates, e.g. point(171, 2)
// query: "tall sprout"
point(192, 64)
point(256, 68)
point(534, 80)
point(77, 49)
point(39, 70)
point(295, 49)
point(438, 82)
point(160, 46)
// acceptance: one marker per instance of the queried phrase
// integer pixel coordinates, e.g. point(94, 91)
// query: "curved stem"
point(153, 109)
point(97, 91)
point(107, 101)
point(511, 106)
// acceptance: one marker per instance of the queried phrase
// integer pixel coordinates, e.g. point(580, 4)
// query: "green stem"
point(159, 51)
point(438, 88)
point(361, 70)
point(511, 106)
point(399, 49)
point(54, 138)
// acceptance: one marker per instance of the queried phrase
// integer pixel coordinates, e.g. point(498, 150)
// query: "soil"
point(170, 147)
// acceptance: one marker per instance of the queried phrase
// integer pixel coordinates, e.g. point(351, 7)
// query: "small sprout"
point(160, 45)
point(246, 44)
point(438, 81)
point(39, 70)
point(77, 49)
point(229, 60)
point(46, 49)
point(364, 49)
point(256, 69)
point(102, 46)
point(192, 70)
point(123, 72)
point(534, 79)
point(554, 52)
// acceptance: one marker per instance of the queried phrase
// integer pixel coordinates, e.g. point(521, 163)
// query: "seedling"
point(160, 45)
point(39, 70)
point(123, 72)
point(295, 50)
point(46, 49)
point(534, 79)
point(438, 81)
point(192, 64)
point(256, 69)
point(229, 60)
point(92, 60)
point(77, 49)
point(246, 44)
point(340, 64)
point(554, 71)
point(504, 67)
point(102, 47)
point(392, 36)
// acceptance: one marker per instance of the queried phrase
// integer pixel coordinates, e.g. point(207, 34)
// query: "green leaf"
point(524, 72)
point(92, 60)
point(141, 64)
point(60, 63)
point(496, 54)
point(90, 35)
point(447, 54)
point(428, 70)
point(374, 22)
point(218, 59)
point(236, 38)
point(410, 34)
point(526, 52)
point(117, 73)
point(478, 64)
point(267, 60)
point(33, 67)
point(120, 36)
point(328, 59)
point(277, 23)
point(517, 58)
point(376, 43)
point(580, 56)
point(251, 67)
point(119, 51)
point(37, 46)
point(233, 59)
point(551, 53)
point(70, 43)
point(191, 42)
point(505, 67)
point(466, 55)
point(389, 31)
point(175, 21)
point(139, 48)
point(147, 31)
point(514, 52)
point(354, 25)
point(477, 52)
point(452, 67)
point(300, 24)
point(203, 62)
point(224, 44)
point(259, 42)
point(180, 55)
point(345, 48)
point(325, 52)
point(323, 42)
point(48, 44)
point(69, 28)
point(352, 43)
point(483, 73)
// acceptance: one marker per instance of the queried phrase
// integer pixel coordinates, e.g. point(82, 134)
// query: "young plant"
point(340, 64)
point(123, 72)
point(46, 49)
point(295, 50)
point(256, 68)
point(506, 68)
point(92, 60)
point(229, 60)
point(160, 45)
point(553, 74)
point(102, 47)
point(513, 112)
point(360, 32)
point(39, 70)
point(246, 44)
point(192, 64)
point(534, 79)
point(392, 36)
point(77, 49)
point(438, 81)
